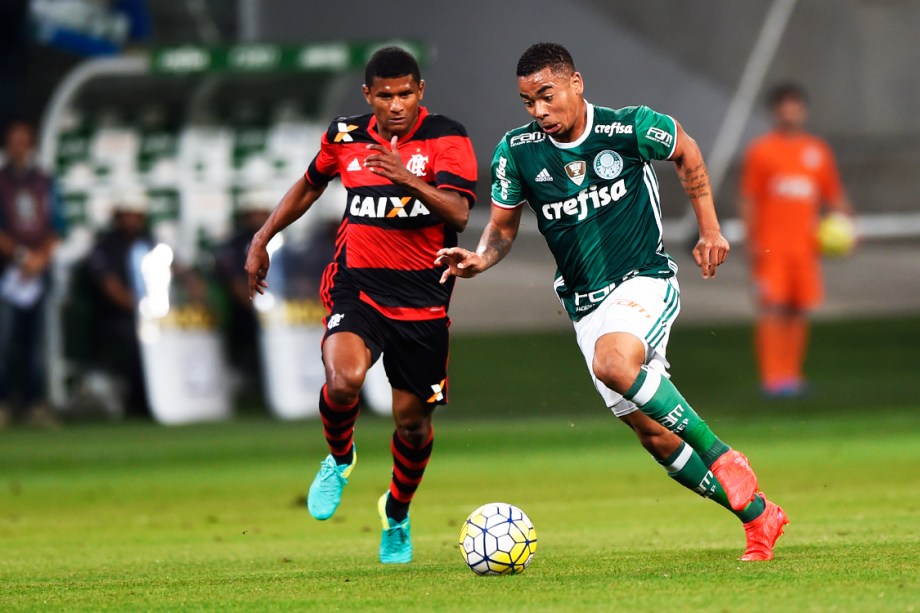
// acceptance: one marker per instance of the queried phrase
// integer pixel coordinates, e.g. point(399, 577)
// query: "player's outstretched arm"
point(293, 204)
point(712, 248)
point(494, 245)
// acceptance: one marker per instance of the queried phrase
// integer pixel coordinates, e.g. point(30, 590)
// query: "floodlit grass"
point(138, 517)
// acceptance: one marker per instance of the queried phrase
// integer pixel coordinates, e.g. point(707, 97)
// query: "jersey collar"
point(372, 128)
point(589, 127)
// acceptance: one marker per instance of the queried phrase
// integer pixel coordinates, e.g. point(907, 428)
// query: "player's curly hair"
point(545, 55)
point(390, 63)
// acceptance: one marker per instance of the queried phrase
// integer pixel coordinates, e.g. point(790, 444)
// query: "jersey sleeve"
point(455, 164)
point(324, 167)
point(656, 134)
point(506, 184)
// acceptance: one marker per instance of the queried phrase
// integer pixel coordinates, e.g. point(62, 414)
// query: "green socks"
point(657, 397)
point(687, 468)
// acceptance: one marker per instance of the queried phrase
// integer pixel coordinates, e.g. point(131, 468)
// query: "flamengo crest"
point(417, 164)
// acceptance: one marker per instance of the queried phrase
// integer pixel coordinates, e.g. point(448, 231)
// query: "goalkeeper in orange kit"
point(787, 176)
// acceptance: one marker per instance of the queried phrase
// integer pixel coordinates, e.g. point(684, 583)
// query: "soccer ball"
point(836, 235)
point(497, 539)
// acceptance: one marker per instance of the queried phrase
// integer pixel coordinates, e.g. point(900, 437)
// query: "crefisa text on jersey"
point(613, 128)
point(597, 196)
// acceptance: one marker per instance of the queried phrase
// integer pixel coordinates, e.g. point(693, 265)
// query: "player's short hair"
point(545, 55)
point(390, 63)
point(788, 90)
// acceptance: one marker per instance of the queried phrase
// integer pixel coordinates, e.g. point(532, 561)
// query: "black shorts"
point(414, 352)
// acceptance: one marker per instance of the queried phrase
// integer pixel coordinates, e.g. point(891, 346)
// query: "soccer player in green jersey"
point(586, 173)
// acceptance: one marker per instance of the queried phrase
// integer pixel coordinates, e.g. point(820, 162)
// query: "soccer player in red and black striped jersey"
point(411, 178)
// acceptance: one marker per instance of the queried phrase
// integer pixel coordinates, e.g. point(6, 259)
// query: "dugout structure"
point(194, 127)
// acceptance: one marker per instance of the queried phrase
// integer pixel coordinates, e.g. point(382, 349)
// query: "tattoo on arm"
point(695, 181)
point(494, 246)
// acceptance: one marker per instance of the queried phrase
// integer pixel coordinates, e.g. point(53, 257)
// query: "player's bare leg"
point(660, 442)
point(411, 446)
point(346, 359)
point(763, 521)
point(619, 361)
point(673, 434)
point(683, 464)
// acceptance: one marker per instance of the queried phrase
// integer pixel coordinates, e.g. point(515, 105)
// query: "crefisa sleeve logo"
point(608, 164)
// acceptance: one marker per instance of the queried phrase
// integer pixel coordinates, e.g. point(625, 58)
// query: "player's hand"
point(710, 251)
point(257, 263)
point(33, 265)
point(387, 163)
point(459, 262)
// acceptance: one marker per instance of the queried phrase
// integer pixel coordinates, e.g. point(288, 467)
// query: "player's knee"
point(615, 370)
point(414, 430)
point(343, 385)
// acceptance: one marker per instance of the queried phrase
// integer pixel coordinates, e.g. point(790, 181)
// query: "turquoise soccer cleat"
point(326, 489)
point(396, 539)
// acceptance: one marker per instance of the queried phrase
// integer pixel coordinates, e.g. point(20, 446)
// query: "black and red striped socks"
point(339, 427)
point(409, 464)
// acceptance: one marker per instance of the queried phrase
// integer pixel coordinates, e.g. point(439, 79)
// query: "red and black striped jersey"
point(388, 239)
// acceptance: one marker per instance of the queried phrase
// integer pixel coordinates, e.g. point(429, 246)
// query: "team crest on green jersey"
point(608, 164)
point(601, 213)
point(576, 171)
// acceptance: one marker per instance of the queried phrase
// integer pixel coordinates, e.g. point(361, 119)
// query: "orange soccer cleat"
point(762, 532)
point(734, 472)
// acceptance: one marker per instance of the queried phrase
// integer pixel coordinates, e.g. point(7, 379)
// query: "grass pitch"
point(212, 517)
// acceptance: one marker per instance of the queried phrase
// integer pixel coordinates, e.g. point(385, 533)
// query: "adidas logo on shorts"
point(543, 177)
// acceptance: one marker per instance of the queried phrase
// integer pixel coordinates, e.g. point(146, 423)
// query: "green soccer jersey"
point(596, 199)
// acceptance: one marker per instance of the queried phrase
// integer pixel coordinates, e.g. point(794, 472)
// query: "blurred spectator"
point(241, 325)
point(30, 227)
point(109, 274)
point(788, 175)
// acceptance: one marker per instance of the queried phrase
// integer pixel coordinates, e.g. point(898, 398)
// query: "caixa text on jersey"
point(387, 207)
